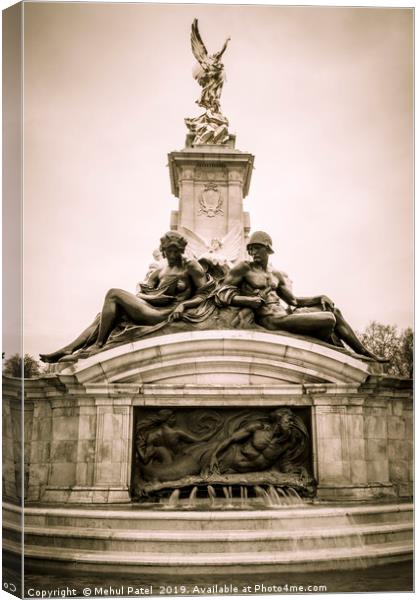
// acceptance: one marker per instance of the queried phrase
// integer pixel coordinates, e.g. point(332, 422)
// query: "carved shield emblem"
point(211, 201)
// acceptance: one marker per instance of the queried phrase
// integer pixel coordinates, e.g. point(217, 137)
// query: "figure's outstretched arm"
point(285, 293)
point(187, 437)
point(222, 51)
point(323, 301)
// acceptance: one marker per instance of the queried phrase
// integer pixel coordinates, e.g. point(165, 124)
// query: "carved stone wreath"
point(211, 201)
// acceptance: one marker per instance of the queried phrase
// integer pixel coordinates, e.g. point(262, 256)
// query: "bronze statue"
point(256, 285)
point(172, 288)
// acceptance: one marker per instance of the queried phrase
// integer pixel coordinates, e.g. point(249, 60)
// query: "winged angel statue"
point(211, 127)
point(216, 256)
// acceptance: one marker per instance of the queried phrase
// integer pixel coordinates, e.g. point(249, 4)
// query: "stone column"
point(235, 186)
point(64, 443)
point(39, 449)
point(111, 479)
point(358, 466)
point(333, 460)
point(400, 445)
point(375, 431)
point(352, 453)
point(12, 453)
point(83, 445)
point(186, 216)
point(85, 458)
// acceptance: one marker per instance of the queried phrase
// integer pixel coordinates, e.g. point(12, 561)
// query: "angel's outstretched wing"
point(197, 45)
point(232, 244)
point(196, 246)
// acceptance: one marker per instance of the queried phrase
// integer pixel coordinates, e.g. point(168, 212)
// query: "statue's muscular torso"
point(255, 279)
point(265, 283)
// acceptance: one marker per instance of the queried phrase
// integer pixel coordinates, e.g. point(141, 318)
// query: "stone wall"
point(79, 422)
point(12, 442)
point(79, 449)
point(364, 442)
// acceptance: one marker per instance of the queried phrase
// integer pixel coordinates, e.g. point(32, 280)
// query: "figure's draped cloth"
point(127, 331)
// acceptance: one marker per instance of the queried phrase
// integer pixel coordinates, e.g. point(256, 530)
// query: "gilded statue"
point(210, 73)
point(212, 126)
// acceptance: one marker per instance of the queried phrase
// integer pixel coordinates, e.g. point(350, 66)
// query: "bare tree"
point(14, 368)
point(397, 346)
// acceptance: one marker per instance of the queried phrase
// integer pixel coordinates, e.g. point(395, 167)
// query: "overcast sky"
point(321, 96)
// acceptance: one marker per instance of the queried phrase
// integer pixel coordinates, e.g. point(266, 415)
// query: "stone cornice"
point(214, 156)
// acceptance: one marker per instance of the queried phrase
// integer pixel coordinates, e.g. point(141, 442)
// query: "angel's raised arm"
point(220, 54)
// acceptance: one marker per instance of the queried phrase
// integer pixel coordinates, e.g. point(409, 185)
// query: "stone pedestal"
point(79, 423)
point(211, 183)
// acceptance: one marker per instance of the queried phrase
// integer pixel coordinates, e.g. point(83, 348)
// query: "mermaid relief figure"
point(159, 439)
point(255, 284)
point(168, 452)
point(175, 286)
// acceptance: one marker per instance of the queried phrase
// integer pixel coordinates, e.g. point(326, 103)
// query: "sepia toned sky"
point(321, 96)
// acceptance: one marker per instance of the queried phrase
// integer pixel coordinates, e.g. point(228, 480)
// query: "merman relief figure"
point(280, 441)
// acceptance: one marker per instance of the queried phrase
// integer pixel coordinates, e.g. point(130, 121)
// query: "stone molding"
point(221, 356)
point(214, 157)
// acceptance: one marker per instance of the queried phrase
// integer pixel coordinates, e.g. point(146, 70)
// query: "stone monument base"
point(80, 454)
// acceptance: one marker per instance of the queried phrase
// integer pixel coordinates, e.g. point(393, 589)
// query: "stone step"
point(213, 541)
point(180, 563)
point(316, 517)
